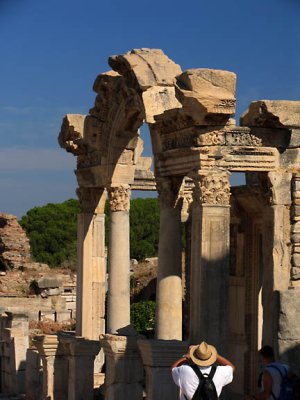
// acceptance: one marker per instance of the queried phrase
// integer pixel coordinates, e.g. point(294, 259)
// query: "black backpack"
point(206, 389)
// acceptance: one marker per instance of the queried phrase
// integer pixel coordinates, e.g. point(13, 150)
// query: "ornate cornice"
point(119, 198)
point(211, 188)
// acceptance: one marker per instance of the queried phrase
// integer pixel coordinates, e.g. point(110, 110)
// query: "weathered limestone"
point(14, 344)
point(34, 375)
point(124, 368)
point(55, 367)
point(289, 329)
point(119, 259)
point(80, 354)
point(272, 114)
point(14, 244)
point(193, 135)
point(91, 273)
point(207, 95)
point(169, 274)
point(157, 357)
point(210, 259)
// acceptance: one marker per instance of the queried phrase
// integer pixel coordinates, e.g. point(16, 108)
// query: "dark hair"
point(266, 352)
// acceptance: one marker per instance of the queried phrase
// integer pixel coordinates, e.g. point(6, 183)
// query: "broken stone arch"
point(196, 144)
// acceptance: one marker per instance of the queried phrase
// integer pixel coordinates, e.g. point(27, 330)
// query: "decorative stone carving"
point(212, 188)
point(242, 137)
point(92, 200)
point(119, 198)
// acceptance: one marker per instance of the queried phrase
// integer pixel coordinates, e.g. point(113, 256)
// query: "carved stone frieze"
point(169, 192)
point(119, 198)
point(213, 138)
point(92, 200)
point(240, 137)
point(211, 188)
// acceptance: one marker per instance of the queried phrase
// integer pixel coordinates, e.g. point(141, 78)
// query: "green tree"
point(144, 228)
point(142, 316)
point(52, 231)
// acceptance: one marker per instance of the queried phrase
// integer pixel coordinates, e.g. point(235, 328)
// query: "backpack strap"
point(281, 376)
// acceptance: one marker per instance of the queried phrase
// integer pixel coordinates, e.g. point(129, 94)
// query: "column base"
point(124, 368)
point(158, 356)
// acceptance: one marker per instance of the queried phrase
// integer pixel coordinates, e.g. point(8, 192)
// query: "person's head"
point(267, 355)
point(203, 354)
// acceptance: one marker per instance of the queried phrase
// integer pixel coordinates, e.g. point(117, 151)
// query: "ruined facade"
point(243, 262)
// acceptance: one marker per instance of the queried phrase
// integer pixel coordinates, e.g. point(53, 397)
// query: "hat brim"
point(203, 363)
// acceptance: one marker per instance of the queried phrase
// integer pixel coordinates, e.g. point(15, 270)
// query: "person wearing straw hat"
point(201, 357)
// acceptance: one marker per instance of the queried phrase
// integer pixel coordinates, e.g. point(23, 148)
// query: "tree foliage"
point(52, 230)
point(142, 315)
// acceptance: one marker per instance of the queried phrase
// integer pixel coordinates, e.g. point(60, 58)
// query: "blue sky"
point(51, 52)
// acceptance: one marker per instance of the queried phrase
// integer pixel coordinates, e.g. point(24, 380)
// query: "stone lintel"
point(161, 353)
point(182, 161)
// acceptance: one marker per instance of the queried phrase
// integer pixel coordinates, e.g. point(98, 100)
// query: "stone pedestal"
point(169, 274)
point(210, 259)
point(158, 356)
point(14, 344)
point(55, 367)
point(124, 368)
point(34, 375)
point(119, 260)
point(81, 354)
point(91, 273)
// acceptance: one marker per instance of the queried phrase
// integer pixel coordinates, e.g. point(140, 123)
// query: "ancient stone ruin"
point(242, 264)
point(14, 244)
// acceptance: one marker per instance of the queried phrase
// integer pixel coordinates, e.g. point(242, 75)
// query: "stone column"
point(169, 274)
point(81, 354)
point(210, 258)
point(124, 368)
point(55, 367)
point(158, 356)
point(119, 259)
point(91, 271)
point(277, 237)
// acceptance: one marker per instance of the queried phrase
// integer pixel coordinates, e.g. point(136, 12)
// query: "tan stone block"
point(159, 99)
point(296, 260)
point(207, 95)
point(71, 133)
point(272, 113)
point(296, 273)
point(144, 163)
point(151, 67)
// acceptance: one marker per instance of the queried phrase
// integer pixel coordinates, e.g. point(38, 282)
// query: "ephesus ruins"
point(242, 243)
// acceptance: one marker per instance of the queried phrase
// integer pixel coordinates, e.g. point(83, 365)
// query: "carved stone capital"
point(211, 188)
point(168, 192)
point(92, 200)
point(119, 198)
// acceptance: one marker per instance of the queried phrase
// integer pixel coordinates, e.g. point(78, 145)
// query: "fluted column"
point(119, 259)
point(210, 258)
point(169, 274)
point(91, 272)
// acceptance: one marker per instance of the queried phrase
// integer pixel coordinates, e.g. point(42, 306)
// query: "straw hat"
point(203, 354)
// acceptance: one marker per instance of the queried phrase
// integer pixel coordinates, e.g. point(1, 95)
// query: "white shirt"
point(188, 381)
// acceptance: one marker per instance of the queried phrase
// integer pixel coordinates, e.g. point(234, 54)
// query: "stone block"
point(296, 272)
point(34, 375)
point(150, 67)
point(122, 391)
point(272, 114)
point(207, 95)
point(289, 351)
point(49, 282)
point(296, 260)
point(289, 315)
point(159, 99)
point(295, 138)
